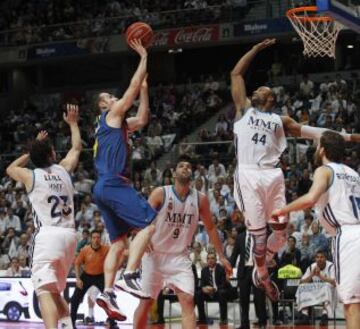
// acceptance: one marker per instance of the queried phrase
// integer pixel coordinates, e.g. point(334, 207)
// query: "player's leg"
point(138, 247)
point(136, 213)
point(76, 299)
point(113, 261)
point(107, 299)
point(152, 283)
point(276, 200)
point(346, 254)
point(352, 315)
point(48, 307)
point(141, 313)
point(186, 301)
point(64, 314)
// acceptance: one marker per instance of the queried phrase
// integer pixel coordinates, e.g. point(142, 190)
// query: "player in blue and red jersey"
point(121, 207)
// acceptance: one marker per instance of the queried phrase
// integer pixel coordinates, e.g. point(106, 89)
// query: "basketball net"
point(318, 33)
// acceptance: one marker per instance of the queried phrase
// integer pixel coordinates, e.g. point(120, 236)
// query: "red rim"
point(295, 13)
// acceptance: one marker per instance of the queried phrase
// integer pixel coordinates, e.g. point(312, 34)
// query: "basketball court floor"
point(28, 325)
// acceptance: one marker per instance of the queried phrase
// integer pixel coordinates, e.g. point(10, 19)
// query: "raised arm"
point(122, 105)
point(321, 182)
point(16, 168)
point(298, 130)
point(142, 117)
point(205, 215)
point(238, 89)
point(72, 157)
point(17, 171)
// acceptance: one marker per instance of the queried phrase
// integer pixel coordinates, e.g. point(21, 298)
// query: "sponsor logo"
point(255, 28)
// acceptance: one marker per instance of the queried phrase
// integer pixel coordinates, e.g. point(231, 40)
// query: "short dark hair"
point(40, 153)
point(184, 158)
point(93, 232)
point(292, 238)
point(321, 251)
point(212, 254)
point(333, 144)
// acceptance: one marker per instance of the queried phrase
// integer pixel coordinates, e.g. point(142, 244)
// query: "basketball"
point(141, 31)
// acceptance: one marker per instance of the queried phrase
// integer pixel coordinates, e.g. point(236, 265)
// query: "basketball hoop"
point(318, 32)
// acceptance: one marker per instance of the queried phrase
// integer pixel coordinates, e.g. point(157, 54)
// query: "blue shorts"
point(122, 208)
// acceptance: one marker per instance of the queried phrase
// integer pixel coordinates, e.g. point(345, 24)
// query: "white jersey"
point(176, 222)
point(259, 139)
point(340, 204)
point(52, 197)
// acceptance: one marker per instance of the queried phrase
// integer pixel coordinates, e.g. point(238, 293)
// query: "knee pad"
point(259, 249)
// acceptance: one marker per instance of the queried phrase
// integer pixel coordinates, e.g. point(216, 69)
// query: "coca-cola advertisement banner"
point(186, 35)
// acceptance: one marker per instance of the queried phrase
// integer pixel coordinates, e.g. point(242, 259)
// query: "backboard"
point(346, 12)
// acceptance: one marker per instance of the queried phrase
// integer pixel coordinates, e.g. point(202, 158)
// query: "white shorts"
point(166, 270)
point(257, 192)
point(53, 256)
point(346, 246)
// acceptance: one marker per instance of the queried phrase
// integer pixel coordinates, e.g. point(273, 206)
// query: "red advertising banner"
point(187, 35)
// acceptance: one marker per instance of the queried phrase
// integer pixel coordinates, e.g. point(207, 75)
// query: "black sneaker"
point(130, 283)
point(303, 320)
point(89, 320)
point(324, 320)
point(107, 301)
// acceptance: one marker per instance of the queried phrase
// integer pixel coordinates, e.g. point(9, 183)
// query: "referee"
point(92, 258)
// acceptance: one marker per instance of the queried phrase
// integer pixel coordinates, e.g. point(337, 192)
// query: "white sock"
point(109, 290)
point(305, 312)
point(66, 323)
point(91, 312)
point(128, 272)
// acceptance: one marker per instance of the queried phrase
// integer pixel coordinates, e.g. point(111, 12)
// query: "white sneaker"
point(270, 287)
point(107, 301)
point(130, 283)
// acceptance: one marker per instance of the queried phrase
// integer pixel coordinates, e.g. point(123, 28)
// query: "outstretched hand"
point(276, 214)
point(265, 44)
point(72, 115)
point(138, 47)
point(43, 134)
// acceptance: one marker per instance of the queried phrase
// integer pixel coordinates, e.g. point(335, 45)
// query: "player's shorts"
point(122, 208)
point(257, 192)
point(346, 246)
point(166, 270)
point(53, 256)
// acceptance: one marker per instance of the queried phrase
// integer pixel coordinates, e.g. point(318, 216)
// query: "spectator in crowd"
point(202, 236)
point(24, 247)
point(322, 271)
point(2, 220)
point(13, 220)
point(304, 183)
point(291, 255)
point(10, 243)
point(306, 252)
point(306, 86)
point(318, 240)
point(84, 240)
point(83, 185)
point(25, 270)
point(14, 269)
point(86, 210)
point(306, 227)
point(198, 256)
point(215, 287)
